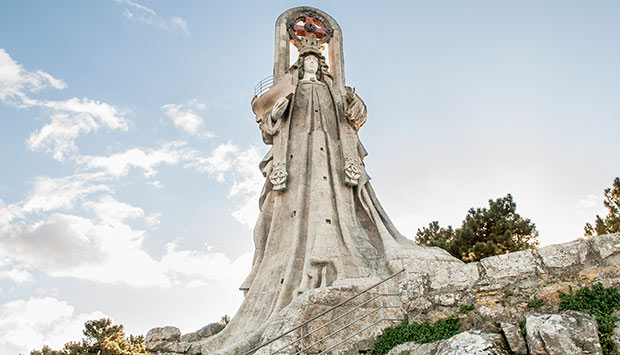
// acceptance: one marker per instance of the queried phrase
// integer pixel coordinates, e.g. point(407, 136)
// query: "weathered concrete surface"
point(316, 301)
point(466, 343)
point(565, 333)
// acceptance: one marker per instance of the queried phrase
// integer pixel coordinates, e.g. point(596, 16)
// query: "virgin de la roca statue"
point(320, 222)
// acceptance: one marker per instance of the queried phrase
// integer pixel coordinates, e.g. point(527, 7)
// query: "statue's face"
point(311, 64)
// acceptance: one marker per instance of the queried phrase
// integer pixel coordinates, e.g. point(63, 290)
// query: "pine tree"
point(484, 232)
point(102, 338)
point(611, 223)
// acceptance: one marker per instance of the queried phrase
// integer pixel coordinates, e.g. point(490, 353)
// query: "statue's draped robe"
point(325, 225)
point(319, 229)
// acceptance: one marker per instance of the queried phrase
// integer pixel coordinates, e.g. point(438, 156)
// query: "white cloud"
point(588, 202)
point(15, 80)
point(112, 212)
point(103, 113)
point(202, 267)
point(104, 249)
point(186, 120)
point(58, 136)
point(49, 194)
point(29, 324)
point(220, 161)
point(72, 246)
point(225, 159)
point(247, 179)
point(119, 164)
point(148, 16)
point(15, 273)
point(152, 221)
point(247, 186)
point(589, 207)
point(74, 117)
point(60, 193)
point(69, 118)
point(137, 6)
point(181, 24)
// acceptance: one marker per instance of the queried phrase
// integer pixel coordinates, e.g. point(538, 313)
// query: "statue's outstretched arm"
point(355, 108)
point(270, 124)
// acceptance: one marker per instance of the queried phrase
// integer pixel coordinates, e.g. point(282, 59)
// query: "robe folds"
point(326, 224)
point(320, 221)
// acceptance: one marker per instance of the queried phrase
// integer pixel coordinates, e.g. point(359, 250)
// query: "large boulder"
point(565, 333)
point(165, 340)
point(471, 342)
point(514, 338)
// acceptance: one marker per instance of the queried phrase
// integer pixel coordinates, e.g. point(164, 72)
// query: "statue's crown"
point(309, 44)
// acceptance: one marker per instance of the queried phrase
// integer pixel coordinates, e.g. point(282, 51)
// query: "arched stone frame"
point(282, 46)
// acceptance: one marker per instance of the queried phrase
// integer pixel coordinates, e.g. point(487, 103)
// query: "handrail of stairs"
point(336, 319)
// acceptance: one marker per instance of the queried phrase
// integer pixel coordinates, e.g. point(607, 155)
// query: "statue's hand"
point(278, 109)
point(354, 108)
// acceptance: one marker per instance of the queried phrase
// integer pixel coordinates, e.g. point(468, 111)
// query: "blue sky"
point(129, 149)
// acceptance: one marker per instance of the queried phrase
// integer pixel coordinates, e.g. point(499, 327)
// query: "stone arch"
point(282, 45)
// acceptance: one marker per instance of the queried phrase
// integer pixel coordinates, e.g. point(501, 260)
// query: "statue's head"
point(313, 63)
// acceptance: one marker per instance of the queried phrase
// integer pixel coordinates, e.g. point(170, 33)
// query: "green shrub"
point(599, 302)
point(420, 333)
point(466, 308)
point(535, 303)
point(522, 327)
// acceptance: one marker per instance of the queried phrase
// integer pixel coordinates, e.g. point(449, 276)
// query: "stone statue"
point(320, 221)
point(322, 235)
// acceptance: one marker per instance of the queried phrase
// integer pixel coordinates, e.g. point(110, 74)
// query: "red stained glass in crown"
point(310, 25)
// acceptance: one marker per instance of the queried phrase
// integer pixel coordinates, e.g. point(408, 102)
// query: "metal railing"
point(332, 334)
point(263, 86)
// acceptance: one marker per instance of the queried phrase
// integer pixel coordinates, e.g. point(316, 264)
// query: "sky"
point(129, 150)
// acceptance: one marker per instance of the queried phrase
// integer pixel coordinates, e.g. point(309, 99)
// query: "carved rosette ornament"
point(352, 172)
point(304, 24)
point(278, 177)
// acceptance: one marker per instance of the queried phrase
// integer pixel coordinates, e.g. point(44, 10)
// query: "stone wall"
point(501, 287)
point(508, 290)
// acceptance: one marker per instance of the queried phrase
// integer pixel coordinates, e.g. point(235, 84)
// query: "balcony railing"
point(263, 86)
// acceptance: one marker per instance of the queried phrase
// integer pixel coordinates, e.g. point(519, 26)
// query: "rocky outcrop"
point(168, 340)
point(547, 334)
point(165, 340)
point(514, 338)
point(504, 290)
point(566, 333)
point(465, 343)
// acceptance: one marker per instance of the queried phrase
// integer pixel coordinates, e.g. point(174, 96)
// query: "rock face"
point(165, 340)
point(501, 289)
point(466, 343)
point(616, 332)
point(168, 340)
point(512, 333)
point(566, 333)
